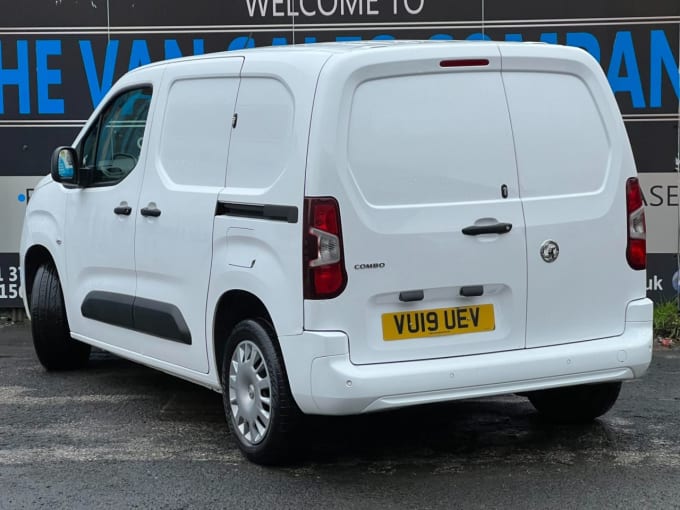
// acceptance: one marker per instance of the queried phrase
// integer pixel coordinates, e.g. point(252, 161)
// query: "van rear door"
point(573, 158)
point(423, 168)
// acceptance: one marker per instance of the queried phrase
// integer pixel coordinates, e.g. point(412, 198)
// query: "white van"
point(346, 228)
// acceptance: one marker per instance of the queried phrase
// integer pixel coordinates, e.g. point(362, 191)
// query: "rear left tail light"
point(636, 250)
point(324, 266)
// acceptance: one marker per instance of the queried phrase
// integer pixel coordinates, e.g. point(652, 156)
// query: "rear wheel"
point(52, 340)
point(260, 409)
point(576, 404)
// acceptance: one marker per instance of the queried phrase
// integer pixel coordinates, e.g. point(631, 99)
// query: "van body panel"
point(98, 247)
point(573, 159)
point(415, 153)
point(266, 167)
point(186, 171)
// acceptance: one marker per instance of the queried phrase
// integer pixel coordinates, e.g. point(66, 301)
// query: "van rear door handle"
point(148, 211)
point(478, 230)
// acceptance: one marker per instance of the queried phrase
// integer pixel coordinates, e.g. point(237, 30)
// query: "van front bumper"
point(324, 380)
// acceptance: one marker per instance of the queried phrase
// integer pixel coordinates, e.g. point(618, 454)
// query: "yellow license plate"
point(442, 321)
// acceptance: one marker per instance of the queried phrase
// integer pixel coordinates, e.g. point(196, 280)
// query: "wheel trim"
point(249, 393)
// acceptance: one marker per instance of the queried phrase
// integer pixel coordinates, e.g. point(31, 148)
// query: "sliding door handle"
point(149, 211)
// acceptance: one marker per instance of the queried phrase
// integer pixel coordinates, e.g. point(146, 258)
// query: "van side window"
point(112, 146)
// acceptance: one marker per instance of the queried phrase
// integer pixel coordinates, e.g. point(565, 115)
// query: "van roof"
point(300, 51)
point(327, 48)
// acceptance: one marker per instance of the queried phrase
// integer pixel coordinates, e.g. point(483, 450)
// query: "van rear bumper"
point(324, 381)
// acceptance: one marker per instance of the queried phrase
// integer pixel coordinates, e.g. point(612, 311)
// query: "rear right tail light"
point(636, 250)
point(324, 267)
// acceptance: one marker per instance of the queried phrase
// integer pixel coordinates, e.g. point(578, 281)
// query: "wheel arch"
point(36, 256)
point(234, 306)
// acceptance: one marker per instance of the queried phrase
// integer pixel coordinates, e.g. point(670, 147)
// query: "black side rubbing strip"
point(155, 318)
point(160, 319)
point(110, 308)
point(287, 213)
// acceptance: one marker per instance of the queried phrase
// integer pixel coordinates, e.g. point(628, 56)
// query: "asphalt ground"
point(119, 435)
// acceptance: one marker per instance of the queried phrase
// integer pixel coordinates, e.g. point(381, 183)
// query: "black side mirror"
point(64, 167)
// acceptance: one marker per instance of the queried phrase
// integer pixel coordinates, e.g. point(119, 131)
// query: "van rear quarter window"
point(562, 144)
point(428, 139)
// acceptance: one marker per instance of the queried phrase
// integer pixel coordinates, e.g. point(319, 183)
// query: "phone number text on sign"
point(10, 284)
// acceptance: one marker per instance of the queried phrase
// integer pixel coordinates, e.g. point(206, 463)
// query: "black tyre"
point(52, 340)
point(262, 415)
point(576, 404)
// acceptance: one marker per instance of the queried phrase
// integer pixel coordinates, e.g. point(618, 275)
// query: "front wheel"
point(576, 404)
point(52, 340)
point(260, 409)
